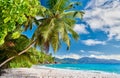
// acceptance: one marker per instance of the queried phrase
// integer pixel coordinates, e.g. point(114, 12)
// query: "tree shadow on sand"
point(2, 71)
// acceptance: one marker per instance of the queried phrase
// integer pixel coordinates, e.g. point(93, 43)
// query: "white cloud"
point(74, 56)
point(95, 52)
point(116, 57)
point(96, 24)
point(114, 32)
point(80, 29)
point(91, 42)
point(104, 15)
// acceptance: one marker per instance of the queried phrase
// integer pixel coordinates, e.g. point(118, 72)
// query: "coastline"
point(42, 72)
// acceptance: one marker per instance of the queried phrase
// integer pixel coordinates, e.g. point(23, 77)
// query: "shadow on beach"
point(1, 71)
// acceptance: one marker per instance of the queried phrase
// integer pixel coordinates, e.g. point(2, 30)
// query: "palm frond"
point(71, 5)
point(60, 4)
point(51, 3)
point(55, 41)
point(78, 14)
point(73, 33)
point(70, 21)
point(65, 36)
point(45, 30)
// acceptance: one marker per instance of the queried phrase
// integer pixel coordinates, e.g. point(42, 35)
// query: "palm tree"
point(57, 22)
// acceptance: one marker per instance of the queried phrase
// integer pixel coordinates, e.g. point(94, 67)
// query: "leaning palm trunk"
point(20, 53)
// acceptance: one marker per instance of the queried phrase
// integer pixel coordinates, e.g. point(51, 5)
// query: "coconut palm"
point(56, 25)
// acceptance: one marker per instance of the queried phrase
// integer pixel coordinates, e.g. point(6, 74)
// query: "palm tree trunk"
point(22, 52)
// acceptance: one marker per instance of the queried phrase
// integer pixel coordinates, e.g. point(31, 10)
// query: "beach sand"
point(54, 73)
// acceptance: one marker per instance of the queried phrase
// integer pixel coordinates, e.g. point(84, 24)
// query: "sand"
point(41, 72)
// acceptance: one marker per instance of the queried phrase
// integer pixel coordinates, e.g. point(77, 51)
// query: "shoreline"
point(94, 71)
point(42, 72)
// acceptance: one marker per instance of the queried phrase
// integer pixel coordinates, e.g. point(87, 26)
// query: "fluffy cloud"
point(74, 56)
point(104, 15)
point(91, 42)
point(116, 57)
point(80, 29)
point(114, 32)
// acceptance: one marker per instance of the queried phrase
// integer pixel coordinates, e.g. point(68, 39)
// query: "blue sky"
point(99, 31)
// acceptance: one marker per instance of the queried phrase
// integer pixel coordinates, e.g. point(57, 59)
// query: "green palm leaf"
point(55, 41)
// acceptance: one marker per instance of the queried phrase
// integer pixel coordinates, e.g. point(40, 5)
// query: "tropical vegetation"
point(54, 24)
point(32, 56)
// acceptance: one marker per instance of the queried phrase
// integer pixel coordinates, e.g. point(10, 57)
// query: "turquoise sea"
point(111, 68)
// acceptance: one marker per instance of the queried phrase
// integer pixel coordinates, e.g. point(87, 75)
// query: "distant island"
point(86, 60)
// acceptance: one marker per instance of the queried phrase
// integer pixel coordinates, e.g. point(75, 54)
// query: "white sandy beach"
point(54, 73)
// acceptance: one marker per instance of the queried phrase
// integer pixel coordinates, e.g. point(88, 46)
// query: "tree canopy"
point(14, 13)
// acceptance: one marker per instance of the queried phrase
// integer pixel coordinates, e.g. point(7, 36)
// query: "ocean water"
point(111, 68)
